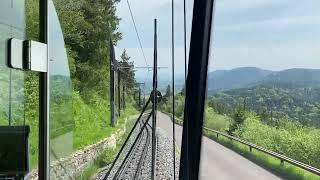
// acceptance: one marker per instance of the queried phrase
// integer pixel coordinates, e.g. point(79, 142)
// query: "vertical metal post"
point(185, 43)
point(112, 102)
point(196, 89)
point(44, 95)
point(154, 105)
point(173, 92)
point(119, 96)
point(139, 96)
point(123, 97)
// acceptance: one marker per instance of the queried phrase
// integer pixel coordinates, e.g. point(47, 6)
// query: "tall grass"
point(290, 139)
point(108, 156)
point(92, 122)
point(274, 165)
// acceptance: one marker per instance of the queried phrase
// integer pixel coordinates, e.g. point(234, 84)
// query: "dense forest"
point(273, 101)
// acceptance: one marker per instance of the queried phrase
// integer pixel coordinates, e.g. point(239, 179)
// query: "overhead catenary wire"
point(139, 39)
point(137, 33)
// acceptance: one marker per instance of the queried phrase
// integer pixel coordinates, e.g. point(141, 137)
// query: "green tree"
point(168, 91)
point(127, 71)
point(87, 25)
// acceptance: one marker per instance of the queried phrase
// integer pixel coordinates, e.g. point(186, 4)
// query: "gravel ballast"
point(164, 159)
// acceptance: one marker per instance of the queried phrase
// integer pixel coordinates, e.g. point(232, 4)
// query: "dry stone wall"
point(72, 166)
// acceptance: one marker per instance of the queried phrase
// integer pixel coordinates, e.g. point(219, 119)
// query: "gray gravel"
point(100, 175)
point(164, 159)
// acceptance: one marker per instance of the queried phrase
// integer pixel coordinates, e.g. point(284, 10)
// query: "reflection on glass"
point(61, 120)
point(15, 96)
point(12, 24)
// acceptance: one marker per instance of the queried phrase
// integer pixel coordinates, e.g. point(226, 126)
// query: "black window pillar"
point(44, 161)
point(196, 87)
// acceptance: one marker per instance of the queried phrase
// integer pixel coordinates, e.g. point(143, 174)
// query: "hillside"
point(273, 102)
point(235, 78)
point(251, 76)
point(305, 77)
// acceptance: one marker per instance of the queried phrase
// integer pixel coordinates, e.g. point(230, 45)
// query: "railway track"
point(143, 162)
point(135, 163)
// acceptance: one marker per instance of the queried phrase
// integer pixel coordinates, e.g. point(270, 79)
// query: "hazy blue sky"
point(271, 34)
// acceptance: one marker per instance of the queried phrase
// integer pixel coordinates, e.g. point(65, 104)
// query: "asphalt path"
point(217, 161)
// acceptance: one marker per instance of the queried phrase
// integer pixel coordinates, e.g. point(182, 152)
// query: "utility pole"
point(144, 99)
point(123, 97)
point(112, 88)
point(115, 67)
point(139, 96)
point(139, 92)
point(119, 98)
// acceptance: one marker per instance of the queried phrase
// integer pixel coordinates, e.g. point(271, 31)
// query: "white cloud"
point(276, 23)
point(248, 4)
point(272, 34)
point(268, 57)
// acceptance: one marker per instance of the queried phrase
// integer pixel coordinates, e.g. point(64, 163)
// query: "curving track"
point(136, 164)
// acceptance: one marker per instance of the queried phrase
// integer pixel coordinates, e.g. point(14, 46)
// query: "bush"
point(216, 121)
point(92, 121)
point(291, 139)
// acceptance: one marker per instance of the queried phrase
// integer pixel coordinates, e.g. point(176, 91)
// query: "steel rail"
point(132, 146)
point(281, 157)
point(127, 139)
point(129, 157)
point(144, 152)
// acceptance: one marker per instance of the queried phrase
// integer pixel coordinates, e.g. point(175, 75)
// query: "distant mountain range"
point(244, 77)
point(250, 76)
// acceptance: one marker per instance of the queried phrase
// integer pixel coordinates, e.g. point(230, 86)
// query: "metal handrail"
point(281, 157)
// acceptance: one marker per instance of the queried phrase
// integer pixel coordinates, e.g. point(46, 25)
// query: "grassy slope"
point(286, 171)
point(91, 125)
point(108, 156)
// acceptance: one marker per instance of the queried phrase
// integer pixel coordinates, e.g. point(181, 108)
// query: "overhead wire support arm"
point(150, 67)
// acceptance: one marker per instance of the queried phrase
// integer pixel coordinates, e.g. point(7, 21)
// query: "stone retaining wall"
point(72, 166)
